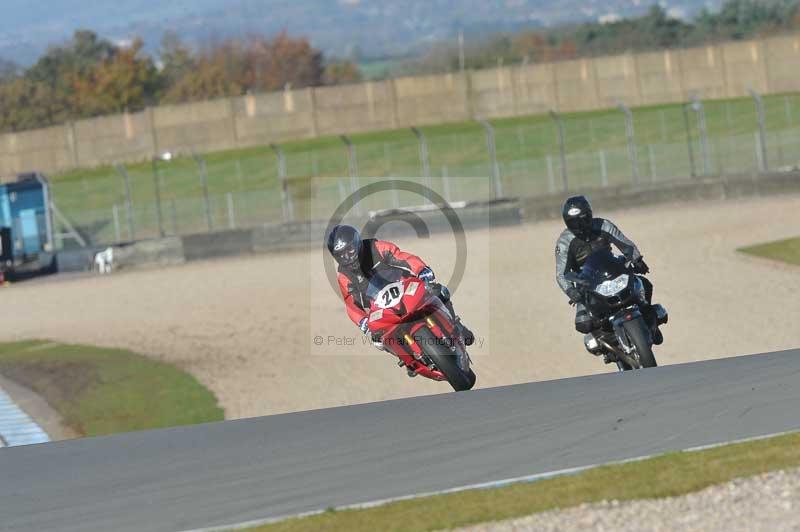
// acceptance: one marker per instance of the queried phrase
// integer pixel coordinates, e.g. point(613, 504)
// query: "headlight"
point(612, 287)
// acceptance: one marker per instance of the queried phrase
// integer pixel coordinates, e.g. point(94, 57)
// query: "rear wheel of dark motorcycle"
point(445, 360)
point(640, 337)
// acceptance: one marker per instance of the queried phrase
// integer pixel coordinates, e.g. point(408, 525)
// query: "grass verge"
point(782, 250)
point(668, 475)
point(101, 391)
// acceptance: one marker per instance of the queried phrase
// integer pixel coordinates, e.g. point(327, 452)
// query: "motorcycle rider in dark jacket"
point(584, 235)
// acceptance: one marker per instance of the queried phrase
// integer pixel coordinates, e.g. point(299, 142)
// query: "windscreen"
point(380, 278)
point(602, 265)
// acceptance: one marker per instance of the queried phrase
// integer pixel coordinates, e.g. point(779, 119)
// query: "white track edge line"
point(483, 485)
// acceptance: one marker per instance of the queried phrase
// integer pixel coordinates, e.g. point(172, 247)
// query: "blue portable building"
point(26, 224)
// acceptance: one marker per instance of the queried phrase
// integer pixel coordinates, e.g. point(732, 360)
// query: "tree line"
point(89, 76)
point(737, 19)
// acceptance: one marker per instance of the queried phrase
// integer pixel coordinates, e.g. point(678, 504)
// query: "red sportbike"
point(415, 326)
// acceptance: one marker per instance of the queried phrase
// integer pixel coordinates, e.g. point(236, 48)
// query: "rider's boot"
point(656, 315)
point(462, 329)
point(658, 337)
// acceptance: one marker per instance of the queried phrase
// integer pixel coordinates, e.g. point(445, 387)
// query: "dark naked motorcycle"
point(614, 295)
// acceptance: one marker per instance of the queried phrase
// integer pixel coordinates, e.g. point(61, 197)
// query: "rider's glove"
point(640, 266)
point(363, 325)
point(427, 275)
point(575, 296)
point(377, 343)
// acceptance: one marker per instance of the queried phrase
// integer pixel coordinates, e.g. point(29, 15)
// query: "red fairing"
point(427, 310)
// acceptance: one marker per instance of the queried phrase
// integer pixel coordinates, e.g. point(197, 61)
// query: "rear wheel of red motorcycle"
point(445, 360)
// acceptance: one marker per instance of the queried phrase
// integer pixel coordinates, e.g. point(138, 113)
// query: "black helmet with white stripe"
point(577, 215)
point(344, 243)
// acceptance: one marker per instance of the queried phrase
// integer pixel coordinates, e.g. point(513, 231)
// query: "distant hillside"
point(370, 28)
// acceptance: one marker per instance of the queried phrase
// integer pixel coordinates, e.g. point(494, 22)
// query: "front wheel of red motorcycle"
point(445, 360)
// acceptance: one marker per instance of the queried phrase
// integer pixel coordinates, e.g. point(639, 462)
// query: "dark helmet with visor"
point(344, 243)
point(577, 215)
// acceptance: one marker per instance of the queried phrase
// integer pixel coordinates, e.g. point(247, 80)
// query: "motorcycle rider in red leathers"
point(357, 257)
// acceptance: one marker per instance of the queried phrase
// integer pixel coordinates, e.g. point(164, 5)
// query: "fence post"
point(204, 184)
point(173, 209)
point(128, 201)
point(239, 176)
point(157, 189)
point(561, 147)
point(700, 110)
point(424, 157)
point(497, 185)
point(762, 129)
point(603, 168)
point(231, 214)
point(689, 140)
point(652, 156)
point(759, 152)
point(352, 168)
point(115, 215)
point(630, 134)
point(423, 152)
point(286, 199)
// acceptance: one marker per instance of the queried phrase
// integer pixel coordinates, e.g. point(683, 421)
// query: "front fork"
point(454, 342)
point(423, 362)
point(627, 351)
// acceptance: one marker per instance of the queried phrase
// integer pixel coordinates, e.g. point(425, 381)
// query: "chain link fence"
point(555, 153)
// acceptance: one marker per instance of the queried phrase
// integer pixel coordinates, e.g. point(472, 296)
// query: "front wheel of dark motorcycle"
point(445, 360)
point(639, 335)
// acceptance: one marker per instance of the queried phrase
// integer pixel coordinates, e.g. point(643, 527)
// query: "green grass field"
point(783, 250)
point(669, 475)
point(101, 391)
point(527, 152)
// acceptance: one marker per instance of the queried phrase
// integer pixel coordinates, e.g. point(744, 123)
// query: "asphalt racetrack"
point(236, 471)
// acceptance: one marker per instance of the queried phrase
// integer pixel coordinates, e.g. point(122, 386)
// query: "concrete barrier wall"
point(703, 71)
point(274, 117)
point(126, 137)
point(432, 99)
point(52, 148)
point(718, 71)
